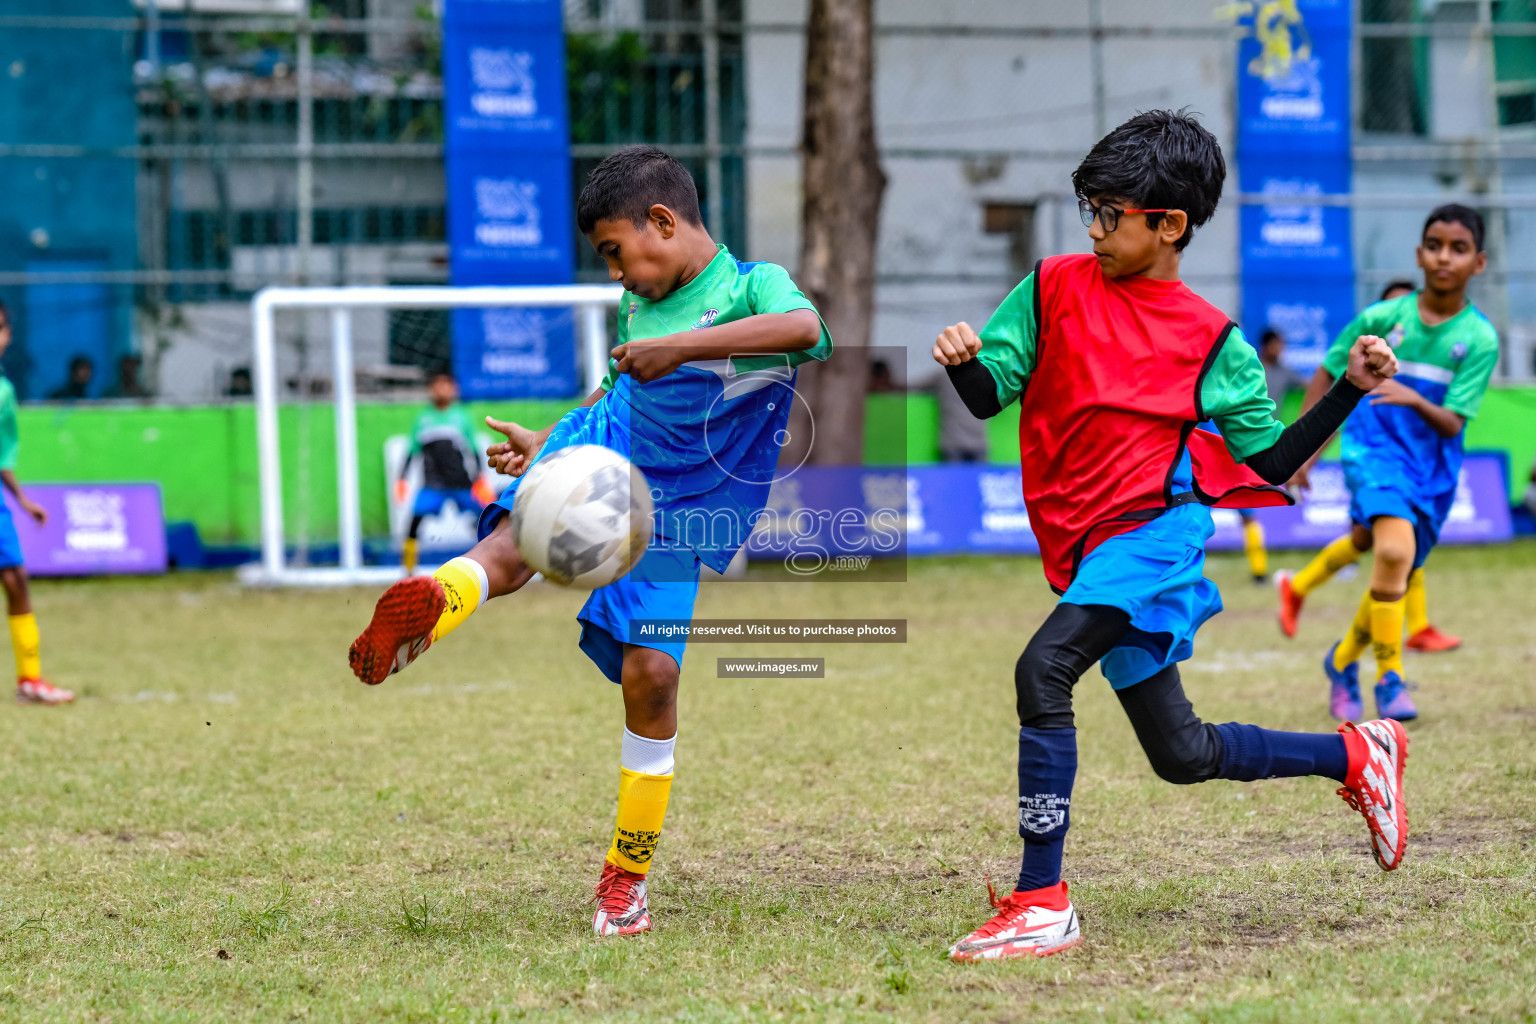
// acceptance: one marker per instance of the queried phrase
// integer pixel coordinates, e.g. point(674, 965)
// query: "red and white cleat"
point(400, 631)
point(1290, 603)
point(40, 691)
point(1430, 640)
point(1378, 751)
point(1036, 923)
point(621, 906)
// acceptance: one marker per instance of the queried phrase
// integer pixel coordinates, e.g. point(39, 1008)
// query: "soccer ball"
point(582, 516)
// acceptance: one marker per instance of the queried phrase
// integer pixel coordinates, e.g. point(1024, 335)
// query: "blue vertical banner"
point(510, 207)
point(1293, 141)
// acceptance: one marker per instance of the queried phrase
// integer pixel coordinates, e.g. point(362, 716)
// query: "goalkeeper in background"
point(31, 688)
point(444, 439)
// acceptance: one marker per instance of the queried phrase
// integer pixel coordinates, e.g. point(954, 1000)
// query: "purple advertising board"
point(961, 509)
point(92, 529)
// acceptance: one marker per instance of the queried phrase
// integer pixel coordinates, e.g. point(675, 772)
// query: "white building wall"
point(979, 94)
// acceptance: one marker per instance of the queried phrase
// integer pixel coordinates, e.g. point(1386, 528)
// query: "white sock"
point(648, 757)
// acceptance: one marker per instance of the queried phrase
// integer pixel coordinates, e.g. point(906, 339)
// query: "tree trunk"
point(840, 220)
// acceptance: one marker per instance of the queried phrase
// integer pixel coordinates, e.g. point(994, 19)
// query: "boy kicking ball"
point(698, 397)
point(1121, 361)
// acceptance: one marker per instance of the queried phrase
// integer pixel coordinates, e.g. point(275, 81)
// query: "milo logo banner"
point(1293, 143)
point(510, 207)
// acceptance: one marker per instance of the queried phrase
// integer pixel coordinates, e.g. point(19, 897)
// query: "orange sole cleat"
point(1430, 640)
point(40, 691)
point(1290, 604)
point(400, 631)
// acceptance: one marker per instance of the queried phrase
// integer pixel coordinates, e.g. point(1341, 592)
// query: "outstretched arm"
point(1371, 363)
point(514, 455)
point(761, 334)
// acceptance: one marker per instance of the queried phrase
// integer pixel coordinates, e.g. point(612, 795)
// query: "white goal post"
point(590, 301)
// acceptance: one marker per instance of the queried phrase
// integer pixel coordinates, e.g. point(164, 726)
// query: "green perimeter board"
point(204, 457)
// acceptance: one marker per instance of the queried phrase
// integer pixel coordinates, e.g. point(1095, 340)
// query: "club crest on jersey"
point(631, 318)
point(707, 320)
point(1395, 336)
point(1459, 350)
point(1043, 812)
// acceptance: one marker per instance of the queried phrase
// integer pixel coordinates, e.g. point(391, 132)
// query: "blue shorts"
point(662, 585)
point(1156, 574)
point(430, 501)
point(1367, 503)
point(10, 544)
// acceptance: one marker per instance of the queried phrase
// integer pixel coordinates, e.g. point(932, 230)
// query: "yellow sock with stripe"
point(1330, 560)
point(408, 555)
point(25, 644)
point(1417, 603)
point(465, 586)
point(1253, 547)
point(645, 783)
point(1357, 639)
point(1387, 635)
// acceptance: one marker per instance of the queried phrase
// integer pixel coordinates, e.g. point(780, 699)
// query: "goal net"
point(589, 303)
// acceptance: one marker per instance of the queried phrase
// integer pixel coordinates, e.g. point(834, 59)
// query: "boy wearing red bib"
point(1114, 362)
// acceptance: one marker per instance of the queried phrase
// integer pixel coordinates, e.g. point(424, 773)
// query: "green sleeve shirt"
point(10, 439)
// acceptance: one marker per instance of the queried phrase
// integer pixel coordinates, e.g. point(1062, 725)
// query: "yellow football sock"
point(1387, 635)
point(1253, 547)
point(642, 807)
point(408, 556)
point(24, 643)
point(1320, 570)
point(465, 586)
point(1357, 639)
point(1417, 603)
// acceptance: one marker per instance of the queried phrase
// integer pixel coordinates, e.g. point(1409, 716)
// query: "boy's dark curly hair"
point(1160, 159)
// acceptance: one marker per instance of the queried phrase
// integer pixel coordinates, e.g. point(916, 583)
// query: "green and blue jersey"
point(707, 435)
point(1449, 364)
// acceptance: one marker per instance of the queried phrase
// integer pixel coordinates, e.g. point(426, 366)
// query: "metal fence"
point(254, 149)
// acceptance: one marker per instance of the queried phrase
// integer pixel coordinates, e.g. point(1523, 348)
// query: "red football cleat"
point(401, 629)
point(1290, 604)
point(622, 908)
point(1430, 640)
point(40, 691)
point(1028, 924)
point(1378, 752)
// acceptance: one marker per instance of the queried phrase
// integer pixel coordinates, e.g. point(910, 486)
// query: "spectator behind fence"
point(962, 437)
point(78, 386)
point(880, 379)
point(1279, 379)
point(128, 384)
point(240, 383)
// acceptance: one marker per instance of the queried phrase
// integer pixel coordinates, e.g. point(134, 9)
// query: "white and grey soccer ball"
point(582, 516)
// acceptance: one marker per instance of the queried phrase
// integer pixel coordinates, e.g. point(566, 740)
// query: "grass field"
point(228, 827)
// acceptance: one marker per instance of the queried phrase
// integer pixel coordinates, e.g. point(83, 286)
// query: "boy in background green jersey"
point(31, 688)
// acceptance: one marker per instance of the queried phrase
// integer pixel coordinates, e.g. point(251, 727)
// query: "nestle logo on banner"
point(1298, 96)
point(1002, 502)
point(95, 521)
point(515, 342)
point(509, 213)
point(503, 81)
point(1292, 224)
point(1304, 325)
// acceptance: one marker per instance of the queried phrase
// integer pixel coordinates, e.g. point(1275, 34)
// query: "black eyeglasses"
point(1107, 215)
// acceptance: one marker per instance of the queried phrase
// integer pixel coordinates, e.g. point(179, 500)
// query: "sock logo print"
point(639, 847)
point(1043, 812)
